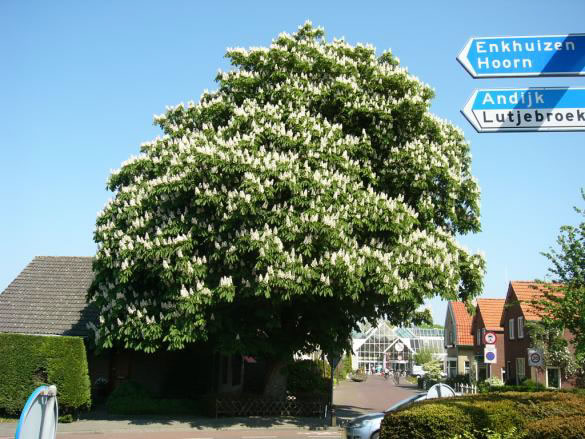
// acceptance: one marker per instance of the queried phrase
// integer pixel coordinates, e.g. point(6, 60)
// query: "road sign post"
point(527, 109)
point(490, 354)
point(490, 338)
point(543, 55)
point(535, 359)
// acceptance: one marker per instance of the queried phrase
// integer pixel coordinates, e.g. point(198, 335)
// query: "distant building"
point(517, 311)
point(394, 347)
point(488, 316)
point(458, 340)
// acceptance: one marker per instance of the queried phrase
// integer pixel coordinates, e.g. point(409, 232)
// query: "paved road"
point(374, 395)
point(351, 399)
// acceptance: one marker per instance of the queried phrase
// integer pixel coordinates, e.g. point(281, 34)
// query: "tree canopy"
point(311, 190)
point(563, 305)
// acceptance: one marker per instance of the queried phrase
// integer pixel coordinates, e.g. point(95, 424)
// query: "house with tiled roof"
point(48, 298)
point(458, 339)
point(487, 318)
point(518, 310)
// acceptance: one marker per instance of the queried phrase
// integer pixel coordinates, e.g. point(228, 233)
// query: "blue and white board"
point(544, 55)
point(527, 109)
point(38, 419)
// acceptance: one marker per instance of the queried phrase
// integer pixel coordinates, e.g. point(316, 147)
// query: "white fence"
point(465, 389)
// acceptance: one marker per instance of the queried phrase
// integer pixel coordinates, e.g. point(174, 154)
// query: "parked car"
point(418, 371)
point(368, 426)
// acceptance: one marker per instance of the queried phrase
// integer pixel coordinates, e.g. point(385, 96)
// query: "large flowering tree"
point(312, 190)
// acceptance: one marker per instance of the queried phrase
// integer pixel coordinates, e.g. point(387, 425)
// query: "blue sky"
point(81, 81)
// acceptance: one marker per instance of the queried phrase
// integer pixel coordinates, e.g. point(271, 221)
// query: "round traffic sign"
point(490, 338)
point(490, 356)
point(535, 358)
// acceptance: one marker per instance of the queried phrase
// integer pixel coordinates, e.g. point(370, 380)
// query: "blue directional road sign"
point(545, 55)
point(527, 109)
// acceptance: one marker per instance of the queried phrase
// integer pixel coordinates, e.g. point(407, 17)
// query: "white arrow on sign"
point(526, 109)
point(541, 55)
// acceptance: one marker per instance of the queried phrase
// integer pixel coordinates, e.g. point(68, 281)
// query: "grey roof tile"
point(49, 298)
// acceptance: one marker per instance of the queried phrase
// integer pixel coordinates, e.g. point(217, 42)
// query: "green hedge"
point(499, 412)
point(557, 427)
point(130, 398)
point(28, 361)
point(307, 377)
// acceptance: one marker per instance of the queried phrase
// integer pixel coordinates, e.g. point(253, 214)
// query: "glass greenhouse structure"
point(394, 347)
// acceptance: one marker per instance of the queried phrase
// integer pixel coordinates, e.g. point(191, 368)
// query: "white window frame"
point(520, 327)
point(546, 377)
point(467, 367)
point(448, 366)
point(511, 329)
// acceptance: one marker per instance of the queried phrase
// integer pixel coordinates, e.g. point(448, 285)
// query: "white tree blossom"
point(311, 190)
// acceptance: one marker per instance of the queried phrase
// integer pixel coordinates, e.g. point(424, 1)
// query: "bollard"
point(333, 417)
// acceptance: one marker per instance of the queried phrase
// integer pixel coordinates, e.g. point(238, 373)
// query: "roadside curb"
point(85, 426)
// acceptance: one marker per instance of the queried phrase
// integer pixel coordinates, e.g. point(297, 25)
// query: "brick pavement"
point(374, 395)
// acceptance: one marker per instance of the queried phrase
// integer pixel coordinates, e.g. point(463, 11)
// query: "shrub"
point(486, 433)
point(152, 406)
point(495, 382)
point(498, 412)
point(130, 389)
point(130, 398)
point(423, 420)
point(66, 419)
point(306, 377)
point(557, 427)
point(343, 369)
point(28, 361)
point(458, 379)
point(521, 388)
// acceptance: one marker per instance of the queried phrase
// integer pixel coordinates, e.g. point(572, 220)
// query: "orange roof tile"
point(491, 311)
point(528, 291)
point(462, 323)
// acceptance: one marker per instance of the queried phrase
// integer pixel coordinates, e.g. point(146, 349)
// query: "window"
point(553, 377)
point(511, 329)
point(478, 337)
point(520, 327)
point(467, 367)
point(452, 365)
point(520, 370)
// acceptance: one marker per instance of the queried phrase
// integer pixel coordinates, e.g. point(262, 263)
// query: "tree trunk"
point(275, 384)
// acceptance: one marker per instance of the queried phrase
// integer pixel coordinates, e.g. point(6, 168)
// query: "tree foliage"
point(563, 306)
point(424, 356)
point(312, 189)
